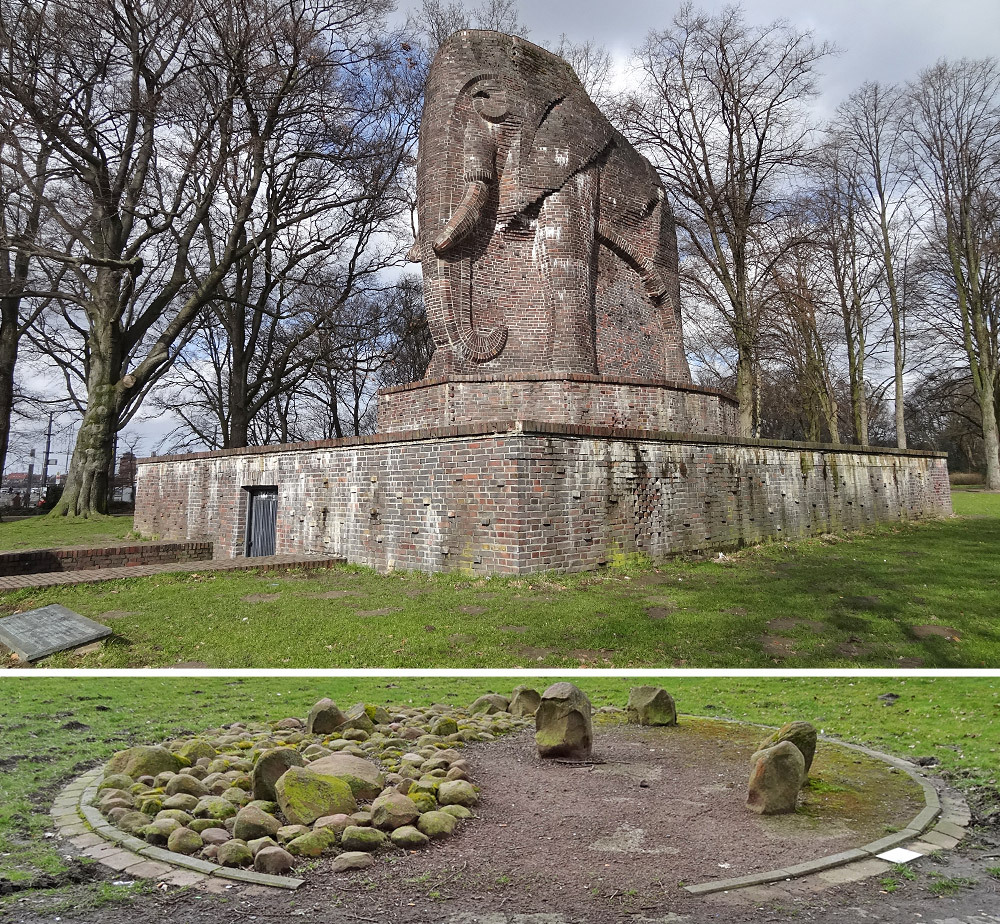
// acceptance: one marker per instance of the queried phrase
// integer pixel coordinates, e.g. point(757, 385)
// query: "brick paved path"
point(95, 575)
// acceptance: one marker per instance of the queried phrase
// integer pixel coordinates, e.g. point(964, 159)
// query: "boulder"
point(651, 706)
point(563, 726)
point(120, 781)
point(252, 823)
point(364, 777)
point(311, 844)
point(288, 833)
point(234, 853)
point(185, 841)
point(197, 749)
point(364, 839)
point(444, 726)
point(324, 718)
point(457, 792)
point(215, 807)
point(490, 704)
point(393, 810)
point(271, 764)
point(801, 734)
point(144, 760)
point(215, 836)
point(274, 861)
point(259, 843)
point(181, 800)
point(457, 811)
point(336, 823)
point(524, 701)
point(409, 837)
point(305, 796)
point(436, 824)
point(158, 831)
point(134, 822)
point(775, 780)
point(186, 784)
point(357, 718)
point(353, 859)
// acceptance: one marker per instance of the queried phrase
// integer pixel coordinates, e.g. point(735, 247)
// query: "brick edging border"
point(84, 826)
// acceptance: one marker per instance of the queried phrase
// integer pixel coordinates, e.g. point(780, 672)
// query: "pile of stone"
point(780, 768)
point(347, 782)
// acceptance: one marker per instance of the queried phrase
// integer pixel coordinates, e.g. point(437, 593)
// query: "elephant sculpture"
point(545, 240)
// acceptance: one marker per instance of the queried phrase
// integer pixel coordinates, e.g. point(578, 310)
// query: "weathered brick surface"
point(85, 558)
point(528, 497)
point(545, 239)
point(601, 401)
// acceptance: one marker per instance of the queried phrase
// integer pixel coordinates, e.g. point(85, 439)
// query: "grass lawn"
point(906, 595)
point(52, 729)
point(43, 532)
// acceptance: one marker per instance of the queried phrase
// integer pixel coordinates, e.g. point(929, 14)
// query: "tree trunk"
point(745, 390)
point(991, 437)
point(897, 357)
point(8, 359)
point(87, 482)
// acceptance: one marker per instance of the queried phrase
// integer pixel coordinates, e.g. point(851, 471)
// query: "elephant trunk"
point(465, 219)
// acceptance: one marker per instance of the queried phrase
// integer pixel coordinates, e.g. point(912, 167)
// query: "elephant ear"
point(571, 134)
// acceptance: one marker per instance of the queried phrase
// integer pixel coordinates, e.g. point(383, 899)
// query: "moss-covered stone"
point(252, 823)
point(305, 796)
point(409, 837)
point(234, 853)
point(801, 734)
point(184, 841)
point(364, 839)
point(363, 776)
point(393, 810)
point(311, 844)
point(197, 749)
point(144, 760)
point(120, 781)
point(436, 824)
point(457, 811)
point(215, 807)
point(134, 822)
point(457, 792)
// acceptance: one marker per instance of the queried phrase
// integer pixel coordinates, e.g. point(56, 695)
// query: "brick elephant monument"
point(545, 240)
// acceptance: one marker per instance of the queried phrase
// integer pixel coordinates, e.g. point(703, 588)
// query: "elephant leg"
point(565, 246)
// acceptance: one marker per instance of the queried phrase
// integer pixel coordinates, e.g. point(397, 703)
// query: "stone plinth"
point(586, 400)
point(519, 497)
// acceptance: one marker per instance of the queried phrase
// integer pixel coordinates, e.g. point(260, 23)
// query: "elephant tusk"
point(465, 219)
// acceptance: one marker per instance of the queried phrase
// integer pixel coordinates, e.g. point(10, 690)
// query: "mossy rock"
point(183, 817)
point(457, 811)
point(393, 810)
point(202, 824)
point(252, 823)
point(184, 841)
point(424, 801)
point(234, 853)
point(158, 831)
point(215, 807)
point(363, 776)
point(649, 705)
point(444, 726)
point(801, 734)
point(312, 844)
point(186, 784)
point(409, 838)
point(270, 765)
point(288, 833)
point(305, 796)
point(134, 822)
point(363, 839)
point(196, 749)
point(457, 792)
point(120, 781)
point(436, 824)
point(144, 760)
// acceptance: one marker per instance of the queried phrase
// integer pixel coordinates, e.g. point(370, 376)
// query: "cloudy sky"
point(878, 40)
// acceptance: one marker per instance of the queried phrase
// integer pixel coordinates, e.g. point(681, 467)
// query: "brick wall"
point(80, 558)
point(593, 400)
point(525, 497)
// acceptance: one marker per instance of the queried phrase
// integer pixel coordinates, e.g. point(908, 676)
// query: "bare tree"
point(720, 108)
point(435, 21)
point(163, 119)
point(954, 134)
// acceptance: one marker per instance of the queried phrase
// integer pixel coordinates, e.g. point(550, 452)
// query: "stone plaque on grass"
point(35, 634)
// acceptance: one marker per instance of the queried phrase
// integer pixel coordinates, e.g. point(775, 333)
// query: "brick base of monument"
point(518, 496)
point(590, 400)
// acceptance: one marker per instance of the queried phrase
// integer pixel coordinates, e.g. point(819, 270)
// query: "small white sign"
point(899, 855)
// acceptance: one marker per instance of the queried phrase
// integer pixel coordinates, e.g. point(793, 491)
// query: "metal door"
point(262, 526)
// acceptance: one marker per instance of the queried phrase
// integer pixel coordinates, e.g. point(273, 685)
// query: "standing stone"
point(269, 767)
point(524, 701)
point(563, 726)
point(801, 734)
point(775, 780)
point(324, 718)
point(490, 704)
point(651, 706)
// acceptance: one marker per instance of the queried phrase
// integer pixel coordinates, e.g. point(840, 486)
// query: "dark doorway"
point(262, 521)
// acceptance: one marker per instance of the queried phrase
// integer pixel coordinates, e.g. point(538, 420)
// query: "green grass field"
point(908, 595)
point(52, 729)
point(43, 532)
